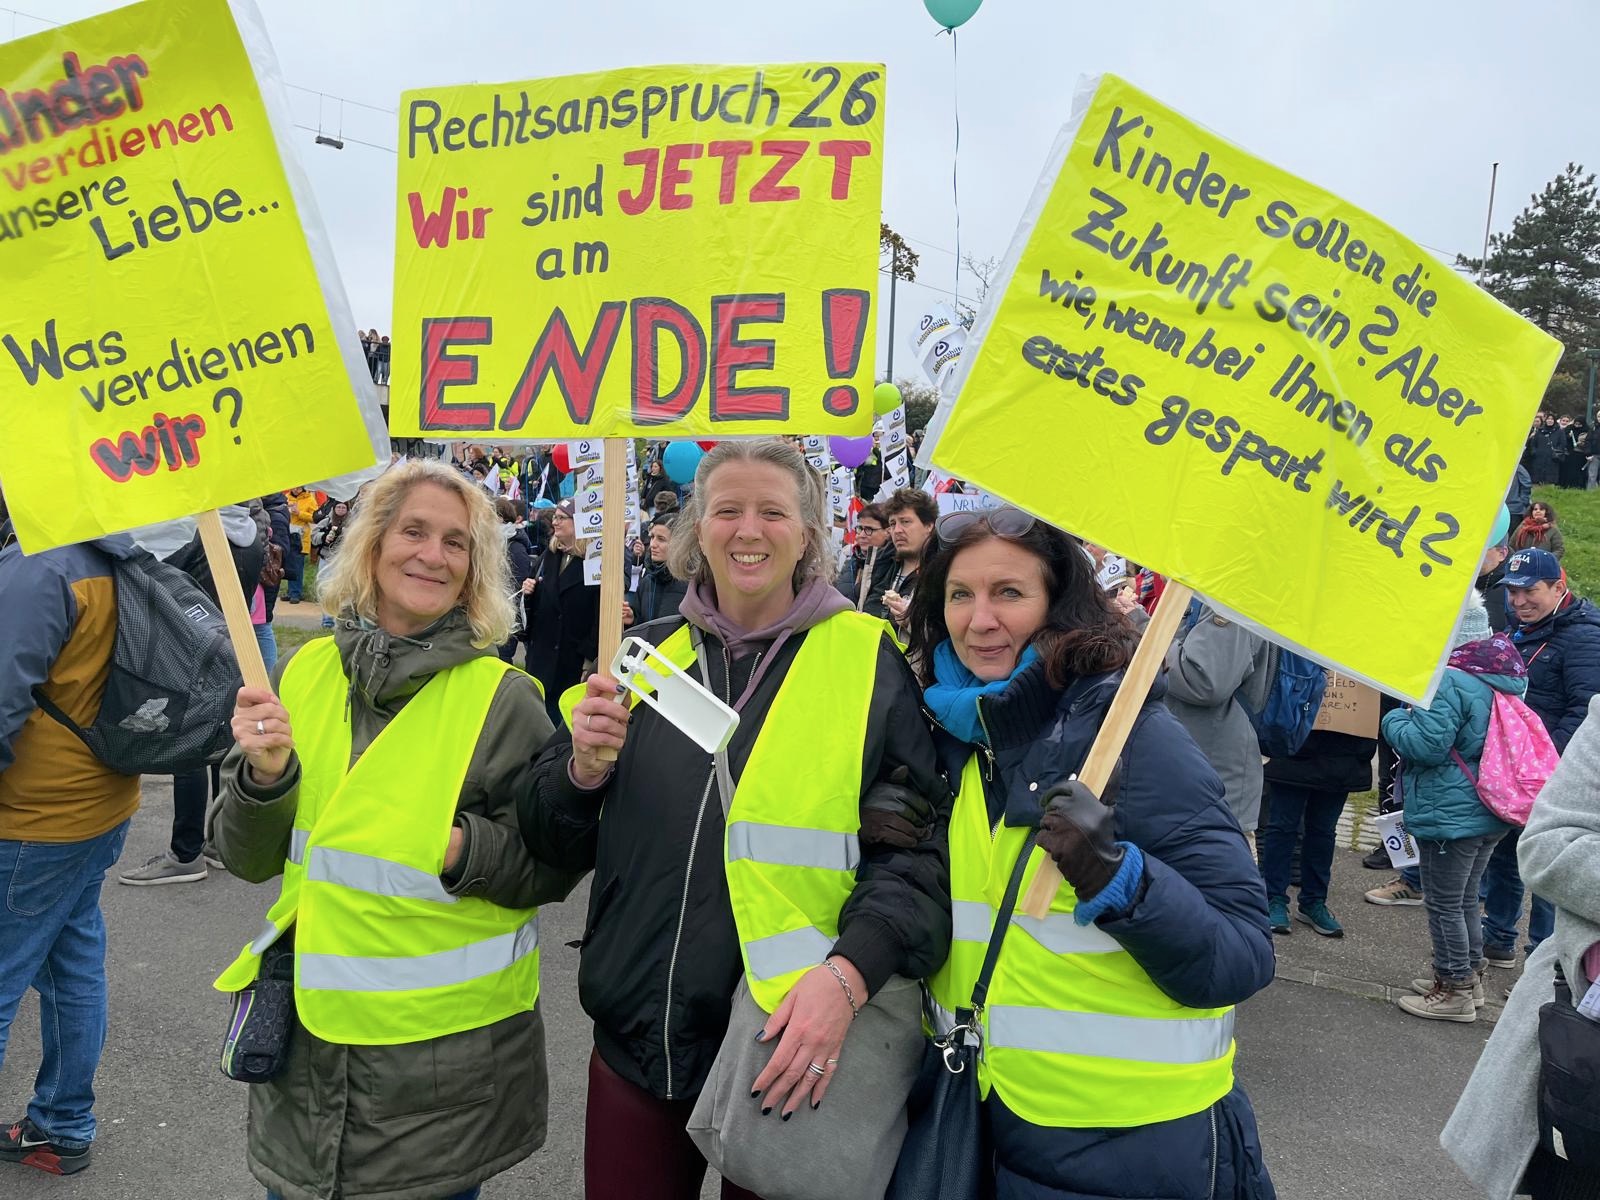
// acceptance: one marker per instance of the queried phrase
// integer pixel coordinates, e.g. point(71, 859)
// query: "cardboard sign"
point(1348, 706)
point(683, 249)
point(1281, 401)
point(169, 342)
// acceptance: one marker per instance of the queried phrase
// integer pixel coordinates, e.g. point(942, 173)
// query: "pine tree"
point(1548, 269)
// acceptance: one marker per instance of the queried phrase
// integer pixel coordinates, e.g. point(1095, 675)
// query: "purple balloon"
point(849, 451)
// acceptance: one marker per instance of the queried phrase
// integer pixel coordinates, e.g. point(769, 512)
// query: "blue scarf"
point(953, 696)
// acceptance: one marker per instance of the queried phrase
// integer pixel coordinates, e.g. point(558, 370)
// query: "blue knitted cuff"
point(1120, 893)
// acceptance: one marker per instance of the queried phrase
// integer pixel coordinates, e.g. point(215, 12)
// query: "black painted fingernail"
point(761, 1035)
point(756, 1094)
point(787, 1115)
point(766, 1110)
point(816, 1104)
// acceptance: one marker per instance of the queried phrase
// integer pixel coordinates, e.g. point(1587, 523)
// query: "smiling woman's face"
point(423, 560)
point(995, 600)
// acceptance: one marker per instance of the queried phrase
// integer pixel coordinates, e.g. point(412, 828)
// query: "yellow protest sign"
point(685, 250)
point(165, 342)
point(1232, 376)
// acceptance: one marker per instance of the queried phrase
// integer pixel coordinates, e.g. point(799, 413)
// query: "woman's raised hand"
point(261, 727)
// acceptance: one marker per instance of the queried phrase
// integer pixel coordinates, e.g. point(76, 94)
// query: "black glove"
point(893, 813)
point(1079, 832)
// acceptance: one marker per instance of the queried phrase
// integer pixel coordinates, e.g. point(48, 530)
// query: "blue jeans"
point(294, 568)
point(53, 937)
point(1502, 901)
point(1287, 805)
point(268, 641)
point(1451, 871)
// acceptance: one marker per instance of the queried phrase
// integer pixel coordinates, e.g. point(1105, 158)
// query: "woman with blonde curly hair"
point(378, 780)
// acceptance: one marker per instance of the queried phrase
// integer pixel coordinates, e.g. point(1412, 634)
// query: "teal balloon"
point(1502, 526)
point(951, 13)
point(885, 399)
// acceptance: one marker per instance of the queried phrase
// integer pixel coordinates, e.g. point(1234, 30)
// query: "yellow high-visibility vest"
point(792, 846)
point(1075, 1034)
point(383, 954)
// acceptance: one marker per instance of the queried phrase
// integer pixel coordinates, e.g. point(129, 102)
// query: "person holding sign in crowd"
point(1108, 1030)
point(381, 782)
point(563, 612)
point(816, 876)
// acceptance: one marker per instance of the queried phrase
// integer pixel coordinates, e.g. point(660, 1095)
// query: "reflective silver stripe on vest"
point(787, 846)
point(269, 934)
point(781, 953)
point(1101, 1035)
point(333, 972)
point(376, 876)
point(298, 840)
point(1057, 932)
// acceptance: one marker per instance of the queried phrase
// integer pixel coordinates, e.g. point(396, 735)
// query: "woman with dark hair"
point(1538, 531)
point(1108, 1029)
point(519, 559)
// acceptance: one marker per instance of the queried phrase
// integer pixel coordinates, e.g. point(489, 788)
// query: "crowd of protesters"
point(735, 934)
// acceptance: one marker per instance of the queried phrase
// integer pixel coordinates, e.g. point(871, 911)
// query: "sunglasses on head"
point(1004, 521)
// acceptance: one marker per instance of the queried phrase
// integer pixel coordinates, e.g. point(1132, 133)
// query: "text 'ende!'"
point(672, 359)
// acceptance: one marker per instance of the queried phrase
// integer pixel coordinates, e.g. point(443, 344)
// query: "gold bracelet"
point(849, 995)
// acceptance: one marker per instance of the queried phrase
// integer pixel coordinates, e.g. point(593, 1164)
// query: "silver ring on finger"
point(261, 729)
point(588, 720)
point(833, 1062)
point(816, 1069)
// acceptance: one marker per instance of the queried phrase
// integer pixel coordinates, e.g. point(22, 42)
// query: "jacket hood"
point(385, 669)
point(813, 604)
point(1511, 685)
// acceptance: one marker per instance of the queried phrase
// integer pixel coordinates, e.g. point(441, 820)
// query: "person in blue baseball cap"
point(1558, 633)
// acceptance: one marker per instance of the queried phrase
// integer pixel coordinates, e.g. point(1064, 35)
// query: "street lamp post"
point(1588, 412)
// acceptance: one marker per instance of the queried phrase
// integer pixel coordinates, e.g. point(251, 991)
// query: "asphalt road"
point(1350, 1093)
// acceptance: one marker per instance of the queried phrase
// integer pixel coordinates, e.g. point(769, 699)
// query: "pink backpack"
point(1518, 758)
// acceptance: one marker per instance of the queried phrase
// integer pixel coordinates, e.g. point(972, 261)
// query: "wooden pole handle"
point(1114, 730)
point(613, 546)
point(235, 608)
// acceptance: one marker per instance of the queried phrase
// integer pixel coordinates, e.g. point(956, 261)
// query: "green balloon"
point(951, 13)
point(885, 398)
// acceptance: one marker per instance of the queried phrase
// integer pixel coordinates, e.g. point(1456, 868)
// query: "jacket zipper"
point(988, 741)
point(677, 940)
point(1213, 1193)
point(688, 875)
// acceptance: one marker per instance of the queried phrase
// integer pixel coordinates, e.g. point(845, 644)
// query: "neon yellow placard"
point(165, 342)
point(668, 251)
point(1246, 383)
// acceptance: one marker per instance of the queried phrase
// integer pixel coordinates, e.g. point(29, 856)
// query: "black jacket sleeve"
point(560, 822)
point(897, 921)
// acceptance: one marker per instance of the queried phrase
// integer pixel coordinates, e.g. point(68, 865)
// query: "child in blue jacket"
point(1439, 747)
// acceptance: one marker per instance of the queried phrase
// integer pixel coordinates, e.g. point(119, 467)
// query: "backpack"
point(169, 696)
point(271, 567)
point(1518, 758)
point(1288, 703)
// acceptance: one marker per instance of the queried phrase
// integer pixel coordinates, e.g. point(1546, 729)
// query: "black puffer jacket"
point(1563, 656)
point(660, 950)
point(1329, 762)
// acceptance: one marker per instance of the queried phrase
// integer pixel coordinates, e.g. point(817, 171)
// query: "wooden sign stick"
point(613, 537)
point(1114, 730)
point(225, 578)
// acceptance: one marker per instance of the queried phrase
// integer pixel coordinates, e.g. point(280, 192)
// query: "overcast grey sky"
point(1400, 106)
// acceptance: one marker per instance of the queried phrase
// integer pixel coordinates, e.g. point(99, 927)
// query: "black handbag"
point(262, 1021)
point(1569, 1082)
point(945, 1155)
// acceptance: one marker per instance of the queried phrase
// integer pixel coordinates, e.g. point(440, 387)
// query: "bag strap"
point(720, 759)
point(50, 708)
point(997, 936)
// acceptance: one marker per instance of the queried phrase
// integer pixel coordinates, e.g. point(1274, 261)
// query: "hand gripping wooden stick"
point(1114, 730)
point(235, 607)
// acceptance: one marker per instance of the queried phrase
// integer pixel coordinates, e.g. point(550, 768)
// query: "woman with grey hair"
point(806, 888)
point(1493, 1135)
